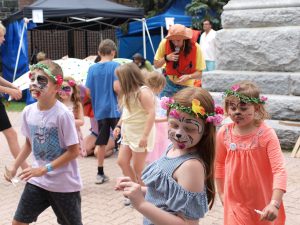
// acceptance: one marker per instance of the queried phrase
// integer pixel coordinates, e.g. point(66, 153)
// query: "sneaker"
point(127, 202)
point(100, 179)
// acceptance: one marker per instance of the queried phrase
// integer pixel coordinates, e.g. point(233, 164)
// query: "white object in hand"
point(14, 180)
point(258, 211)
point(177, 49)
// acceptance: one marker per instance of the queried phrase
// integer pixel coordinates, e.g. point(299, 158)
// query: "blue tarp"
point(9, 50)
point(132, 42)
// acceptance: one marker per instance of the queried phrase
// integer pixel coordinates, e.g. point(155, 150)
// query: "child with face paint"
point(180, 185)
point(137, 121)
point(53, 179)
point(250, 172)
point(157, 81)
point(69, 94)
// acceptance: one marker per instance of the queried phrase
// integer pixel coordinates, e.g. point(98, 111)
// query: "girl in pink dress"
point(157, 82)
point(69, 94)
point(250, 174)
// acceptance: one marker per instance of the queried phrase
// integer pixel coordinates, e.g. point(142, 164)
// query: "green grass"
point(13, 106)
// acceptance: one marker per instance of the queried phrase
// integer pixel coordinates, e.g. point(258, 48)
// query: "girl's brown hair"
point(155, 80)
point(131, 79)
point(250, 89)
point(206, 146)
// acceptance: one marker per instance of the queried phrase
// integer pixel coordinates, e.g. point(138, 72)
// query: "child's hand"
point(134, 192)
point(143, 142)
point(30, 172)
point(116, 132)
point(15, 93)
point(270, 213)
point(9, 174)
point(119, 180)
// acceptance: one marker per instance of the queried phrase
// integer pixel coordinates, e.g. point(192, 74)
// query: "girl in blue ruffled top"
point(180, 185)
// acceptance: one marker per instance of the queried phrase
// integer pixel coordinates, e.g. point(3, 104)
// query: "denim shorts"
point(34, 200)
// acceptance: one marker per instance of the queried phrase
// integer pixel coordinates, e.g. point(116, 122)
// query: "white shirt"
point(207, 44)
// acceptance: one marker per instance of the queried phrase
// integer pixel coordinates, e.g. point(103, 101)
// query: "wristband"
point(275, 203)
point(49, 167)
point(166, 59)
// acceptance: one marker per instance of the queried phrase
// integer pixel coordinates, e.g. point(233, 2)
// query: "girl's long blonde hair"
point(131, 79)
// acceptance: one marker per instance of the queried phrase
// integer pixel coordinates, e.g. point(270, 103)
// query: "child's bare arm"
point(71, 153)
point(148, 103)
point(79, 119)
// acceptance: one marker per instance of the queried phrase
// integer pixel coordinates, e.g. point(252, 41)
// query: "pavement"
point(101, 205)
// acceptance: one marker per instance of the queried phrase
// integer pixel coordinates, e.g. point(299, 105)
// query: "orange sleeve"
point(221, 153)
point(276, 159)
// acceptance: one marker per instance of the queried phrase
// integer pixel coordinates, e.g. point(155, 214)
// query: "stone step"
point(280, 107)
point(279, 83)
point(287, 134)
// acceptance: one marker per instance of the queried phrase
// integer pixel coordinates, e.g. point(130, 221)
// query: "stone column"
point(260, 41)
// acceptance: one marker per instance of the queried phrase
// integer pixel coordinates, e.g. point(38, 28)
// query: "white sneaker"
point(100, 179)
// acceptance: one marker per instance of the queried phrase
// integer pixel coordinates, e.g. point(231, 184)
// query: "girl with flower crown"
point(250, 173)
point(69, 94)
point(180, 185)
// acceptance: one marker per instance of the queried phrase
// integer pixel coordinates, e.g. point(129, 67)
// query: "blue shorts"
point(34, 200)
point(171, 88)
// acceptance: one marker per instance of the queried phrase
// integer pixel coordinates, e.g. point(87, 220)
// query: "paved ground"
point(101, 205)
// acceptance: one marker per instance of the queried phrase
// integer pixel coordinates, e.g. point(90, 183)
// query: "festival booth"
point(57, 14)
point(132, 42)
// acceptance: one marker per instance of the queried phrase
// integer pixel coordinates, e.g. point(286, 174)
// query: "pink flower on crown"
point(235, 87)
point(219, 110)
point(210, 119)
point(165, 102)
point(263, 98)
point(218, 119)
point(30, 75)
point(59, 79)
point(175, 114)
point(72, 83)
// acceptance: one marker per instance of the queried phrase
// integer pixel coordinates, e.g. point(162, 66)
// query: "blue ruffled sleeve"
point(177, 200)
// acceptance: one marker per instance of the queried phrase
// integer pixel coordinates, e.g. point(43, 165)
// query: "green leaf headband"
point(58, 79)
point(196, 110)
point(233, 91)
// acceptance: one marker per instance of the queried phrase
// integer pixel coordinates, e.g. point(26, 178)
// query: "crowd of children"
point(171, 154)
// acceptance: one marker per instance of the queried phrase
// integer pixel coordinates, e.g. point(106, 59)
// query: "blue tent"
point(132, 42)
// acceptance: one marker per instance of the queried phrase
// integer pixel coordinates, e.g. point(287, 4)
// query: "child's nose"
point(178, 135)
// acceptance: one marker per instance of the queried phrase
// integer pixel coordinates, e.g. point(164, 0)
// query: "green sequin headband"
point(58, 79)
point(233, 91)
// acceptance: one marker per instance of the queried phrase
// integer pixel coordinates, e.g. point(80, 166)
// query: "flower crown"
point(243, 98)
point(58, 79)
point(196, 110)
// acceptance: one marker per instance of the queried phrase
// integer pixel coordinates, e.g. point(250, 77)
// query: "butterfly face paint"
point(184, 130)
point(241, 113)
point(38, 84)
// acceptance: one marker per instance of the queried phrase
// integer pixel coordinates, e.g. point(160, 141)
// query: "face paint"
point(241, 113)
point(185, 131)
point(65, 90)
point(38, 84)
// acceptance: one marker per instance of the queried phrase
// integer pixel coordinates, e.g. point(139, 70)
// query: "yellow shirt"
point(200, 62)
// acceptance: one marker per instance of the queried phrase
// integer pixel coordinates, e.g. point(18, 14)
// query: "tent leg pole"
point(162, 32)
point(144, 38)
